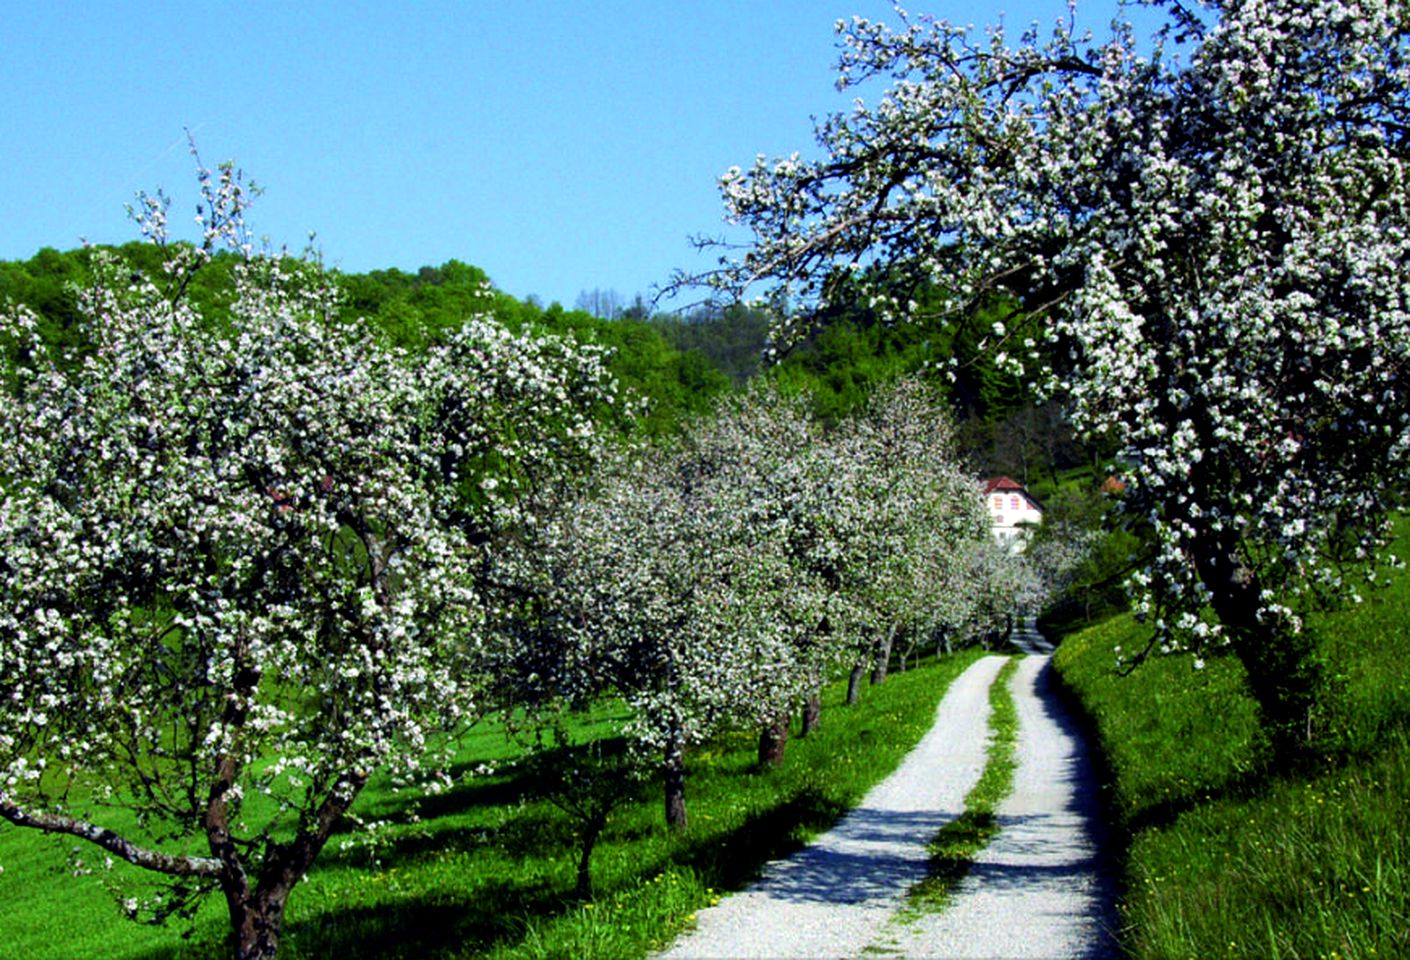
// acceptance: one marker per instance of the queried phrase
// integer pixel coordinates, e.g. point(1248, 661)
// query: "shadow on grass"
point(525, 835)
point(467, 923)
point(731, 861)
point(528, 833)
point(470, 791)
point(421, 927)
point(1317, 760)
point(1123, 825)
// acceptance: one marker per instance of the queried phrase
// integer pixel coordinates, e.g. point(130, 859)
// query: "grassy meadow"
point(1226, 857)
point(488, 869)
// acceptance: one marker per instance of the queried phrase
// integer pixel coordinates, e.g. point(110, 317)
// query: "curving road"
point(1039, 890)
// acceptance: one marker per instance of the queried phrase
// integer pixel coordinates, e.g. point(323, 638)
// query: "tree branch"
point(114, 843)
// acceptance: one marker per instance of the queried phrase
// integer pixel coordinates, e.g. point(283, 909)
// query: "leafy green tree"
point(414, 311)
point(732, 339)
point(417, 310)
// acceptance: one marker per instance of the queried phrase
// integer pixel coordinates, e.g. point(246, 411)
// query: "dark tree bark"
point(909, 652)
point(854, 683)
point(1285, 676)
point(883, 657)
point(257, 911)
point(773, 740)
point(812, 713)
point(256, 921)
point(257, 908)
point(673, 779)
point(591, 831)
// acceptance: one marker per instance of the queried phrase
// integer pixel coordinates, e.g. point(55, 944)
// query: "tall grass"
point(489, 868)
point(1226, 857)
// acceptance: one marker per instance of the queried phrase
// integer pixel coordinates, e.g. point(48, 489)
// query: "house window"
point(998, 503)
point(1013, 503)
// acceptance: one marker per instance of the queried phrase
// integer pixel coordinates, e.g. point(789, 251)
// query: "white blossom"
point(1214, 243)
point(240, 555)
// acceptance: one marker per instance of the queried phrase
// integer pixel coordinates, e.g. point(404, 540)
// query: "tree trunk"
point(910, 652)
point(673, 779)
point(1285, 675)
point(255, 919)
point(812, 712)
point(257, 911)
point(257, 915)
point(773, 739)
point(883, 656)
point(591, 832)
point(854, 683)
point(1285, 678)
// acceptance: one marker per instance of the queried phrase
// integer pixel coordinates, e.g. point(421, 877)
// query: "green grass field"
point(488, 869)
point(1226, 858)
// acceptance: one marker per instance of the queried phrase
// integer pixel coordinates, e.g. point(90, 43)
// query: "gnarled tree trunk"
point(673, 780)
point(854, 683)
point(812, 712)
point(773, 740)
point(883, 656)
point(256, 919)
point(1284, 675)
point(591, 831)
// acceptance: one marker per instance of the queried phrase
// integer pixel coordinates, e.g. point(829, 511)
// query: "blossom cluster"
point(1210, 233)
point(240, 554)
point(719, 583)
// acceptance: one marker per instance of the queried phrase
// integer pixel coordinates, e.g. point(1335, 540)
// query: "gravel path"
point(1039, 890)
point(835, 897)
point(1029, 640)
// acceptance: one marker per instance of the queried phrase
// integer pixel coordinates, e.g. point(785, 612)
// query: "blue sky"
point(561, 146)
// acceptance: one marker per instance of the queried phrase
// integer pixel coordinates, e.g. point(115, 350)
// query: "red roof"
point(1002, 485)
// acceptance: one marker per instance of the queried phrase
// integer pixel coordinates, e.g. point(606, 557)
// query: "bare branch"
point(171, 864)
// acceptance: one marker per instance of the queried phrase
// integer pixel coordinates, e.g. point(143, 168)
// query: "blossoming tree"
point(922, 515)
point(671, 586)
point(238, 560)
point(1215, 244)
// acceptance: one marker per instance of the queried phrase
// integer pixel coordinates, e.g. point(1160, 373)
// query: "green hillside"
point(1224, 856)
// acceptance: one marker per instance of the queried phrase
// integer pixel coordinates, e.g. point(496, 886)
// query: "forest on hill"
point(679, 363)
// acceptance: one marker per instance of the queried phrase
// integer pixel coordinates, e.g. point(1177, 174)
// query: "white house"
point(1012, 510)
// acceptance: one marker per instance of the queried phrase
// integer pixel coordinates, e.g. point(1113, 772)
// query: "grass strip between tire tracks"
point(958, 842)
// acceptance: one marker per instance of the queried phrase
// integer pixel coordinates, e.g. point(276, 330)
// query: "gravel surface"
point(835, 897)
point(1040, 889)
point(1029, 640)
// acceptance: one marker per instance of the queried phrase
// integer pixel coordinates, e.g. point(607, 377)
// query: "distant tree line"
point(678, 362)
point(415, 311)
